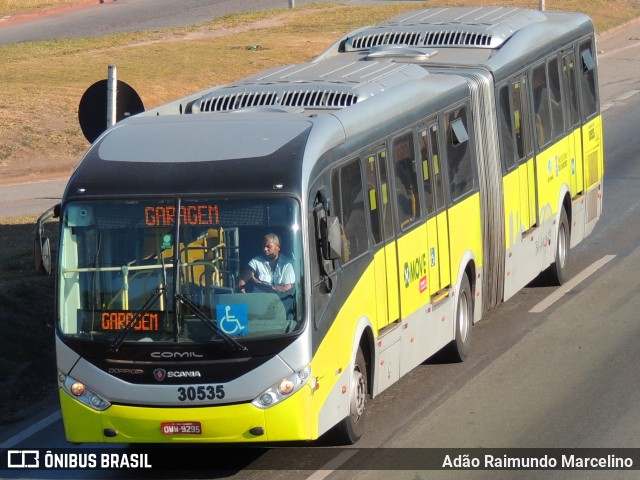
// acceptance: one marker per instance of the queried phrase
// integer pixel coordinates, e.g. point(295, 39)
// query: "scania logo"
point(160, 374)
point(175, 355)
point(189, 373)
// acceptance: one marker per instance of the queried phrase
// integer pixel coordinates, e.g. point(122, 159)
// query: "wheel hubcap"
point(562, 246)
point(359, 394)
point(463, 316)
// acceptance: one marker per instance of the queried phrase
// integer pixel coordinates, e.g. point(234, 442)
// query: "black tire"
point(459, 348)
point(350, 429)
point(556, 274)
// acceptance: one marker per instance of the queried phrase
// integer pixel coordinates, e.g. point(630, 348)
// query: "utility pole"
point(540, 5)
point(112, 92)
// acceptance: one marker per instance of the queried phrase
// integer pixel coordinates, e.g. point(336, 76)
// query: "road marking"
point(627, 95)
point(613, 52)
point(567, 287)
point(33, 429)
point(332, 465)
point(619, 100)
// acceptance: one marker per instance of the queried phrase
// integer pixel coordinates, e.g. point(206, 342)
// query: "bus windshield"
point(181, 270)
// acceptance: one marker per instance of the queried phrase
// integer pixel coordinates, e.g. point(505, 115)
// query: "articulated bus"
point(414, 175)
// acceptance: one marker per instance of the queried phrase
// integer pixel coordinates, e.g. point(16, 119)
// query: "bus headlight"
point(283, 389)
point(82, 393)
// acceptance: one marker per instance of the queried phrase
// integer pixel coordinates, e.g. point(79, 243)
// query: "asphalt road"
point(565, 376)
point(117, 16)
point(30, 198)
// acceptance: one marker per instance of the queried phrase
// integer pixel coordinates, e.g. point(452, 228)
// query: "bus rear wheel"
point(460, 347)
point(557, 272)
point(351, 427)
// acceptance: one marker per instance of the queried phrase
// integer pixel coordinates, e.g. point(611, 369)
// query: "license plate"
point(181, 428)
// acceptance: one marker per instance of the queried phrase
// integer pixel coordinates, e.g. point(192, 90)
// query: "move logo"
point(416, 269)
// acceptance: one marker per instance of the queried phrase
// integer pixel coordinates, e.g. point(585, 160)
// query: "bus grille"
point(443, 38)
point(387, 38)
point(313, 98)
point(236, 101)
point(456, 39)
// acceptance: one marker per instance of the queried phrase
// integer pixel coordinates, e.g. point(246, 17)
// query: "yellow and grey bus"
point(415, 174)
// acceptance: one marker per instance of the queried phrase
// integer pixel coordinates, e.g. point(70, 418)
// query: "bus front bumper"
point(239, 423)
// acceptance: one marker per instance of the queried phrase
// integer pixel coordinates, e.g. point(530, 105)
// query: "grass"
point(41, 85)
point(27, 362)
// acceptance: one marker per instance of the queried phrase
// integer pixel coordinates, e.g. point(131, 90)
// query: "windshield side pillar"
point(176, 274)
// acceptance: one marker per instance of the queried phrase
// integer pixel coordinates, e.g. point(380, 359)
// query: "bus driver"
point(269, 271)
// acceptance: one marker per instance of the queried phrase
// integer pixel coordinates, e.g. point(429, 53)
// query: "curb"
point(618, 28)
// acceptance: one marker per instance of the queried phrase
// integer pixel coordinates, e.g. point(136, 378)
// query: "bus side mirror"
point(330, 238)
point(42, 244)
point(42, 255)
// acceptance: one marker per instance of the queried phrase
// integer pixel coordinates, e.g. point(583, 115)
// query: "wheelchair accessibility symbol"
point(233, 319)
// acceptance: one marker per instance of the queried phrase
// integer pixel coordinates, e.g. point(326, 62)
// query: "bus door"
point(571, 107)
point(413, 252)
point(524, 153)
point(385, 256)
point(591, 127)
point(435, 206)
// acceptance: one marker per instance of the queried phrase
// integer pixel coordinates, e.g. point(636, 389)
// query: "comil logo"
point(176, 355)
point(23, 459)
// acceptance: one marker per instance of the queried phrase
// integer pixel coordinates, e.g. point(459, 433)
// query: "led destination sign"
point(165, 215)
point(118, 320)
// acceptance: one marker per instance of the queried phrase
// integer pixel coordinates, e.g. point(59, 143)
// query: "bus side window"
point(427, 172)
point(438, 176)
point(461, 180)
point(569, 75)
point(375, 203)
point(406, 180)
point(541, 105)
point(520, 115)
point(588, 80)
point(349, 208)
point(506, 129)
point(555, 89)
point(388, 231)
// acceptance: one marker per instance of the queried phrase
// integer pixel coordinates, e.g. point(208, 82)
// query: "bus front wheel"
point(351, 428)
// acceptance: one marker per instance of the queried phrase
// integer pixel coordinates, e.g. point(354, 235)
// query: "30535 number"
point(201, 392)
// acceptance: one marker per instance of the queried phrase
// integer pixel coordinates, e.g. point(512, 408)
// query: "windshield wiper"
point(122, 335)
point(211, 325)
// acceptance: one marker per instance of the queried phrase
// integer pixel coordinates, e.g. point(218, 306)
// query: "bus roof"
point(494, 37)
point(208, 141)
point(333, 85)
point(192, 154)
